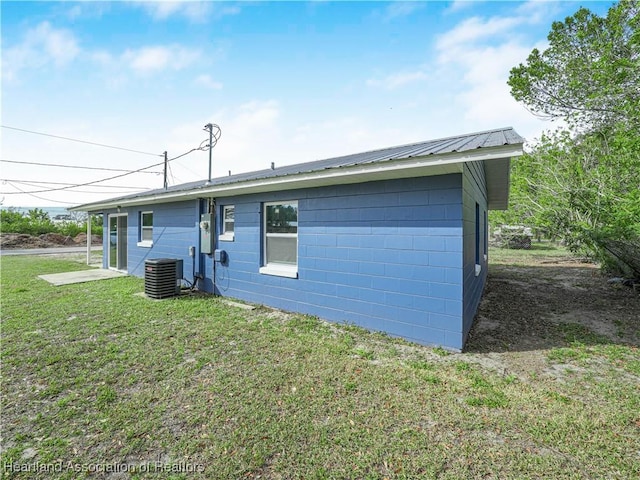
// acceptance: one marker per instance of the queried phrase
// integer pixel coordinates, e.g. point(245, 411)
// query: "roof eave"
point(434, 164)
point(498, 183)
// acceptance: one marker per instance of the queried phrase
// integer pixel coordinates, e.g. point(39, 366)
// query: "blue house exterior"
point(393, 240)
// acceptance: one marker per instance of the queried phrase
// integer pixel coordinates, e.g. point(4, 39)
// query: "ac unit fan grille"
point(162, 277)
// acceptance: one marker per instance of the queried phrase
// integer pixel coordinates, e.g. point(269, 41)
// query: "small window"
point(146, 229)
point(228, 223)
point(486, 235)
point(478, 267)
point(280, 239)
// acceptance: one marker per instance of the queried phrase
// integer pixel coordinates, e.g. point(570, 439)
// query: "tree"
point(589, 74)
point(583, 183)
point(572, 185)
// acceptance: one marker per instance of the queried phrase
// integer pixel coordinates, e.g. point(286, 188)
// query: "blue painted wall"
point(473, 191)
point(383, 255)
point(175, 229)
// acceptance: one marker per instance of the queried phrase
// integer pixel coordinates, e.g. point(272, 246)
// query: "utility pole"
point(209, 127)
point(165, 170)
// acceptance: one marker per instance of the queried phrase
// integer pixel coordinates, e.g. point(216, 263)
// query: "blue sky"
point(287, 82)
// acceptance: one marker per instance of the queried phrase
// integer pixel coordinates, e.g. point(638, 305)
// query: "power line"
point(81, 141)
point(34, 182)
point(30, 184)
point(90, 183)
point(38, 197)
point(173, 180)
point(72, 166)
point(185, 153)
point(105, 179)
point(182, 165)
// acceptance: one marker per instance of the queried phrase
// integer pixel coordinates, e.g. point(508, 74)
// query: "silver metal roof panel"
point(459, 143)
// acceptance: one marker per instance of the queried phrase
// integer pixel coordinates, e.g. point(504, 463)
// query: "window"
point(145, 236)
point(228, 223)
point(486, 235)
point(280, 239)
point(478, 266)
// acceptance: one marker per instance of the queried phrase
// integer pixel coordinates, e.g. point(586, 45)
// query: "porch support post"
point(88, 239)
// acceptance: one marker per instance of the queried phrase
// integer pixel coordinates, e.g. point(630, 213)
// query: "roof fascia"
point(434, 164)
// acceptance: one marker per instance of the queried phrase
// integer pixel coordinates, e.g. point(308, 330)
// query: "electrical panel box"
point(206, 233)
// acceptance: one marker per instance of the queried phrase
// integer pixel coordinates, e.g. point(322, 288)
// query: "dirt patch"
point(48, 240)
point(528, 310)
point(58, 239)
point(81, 239)
point(19, 240)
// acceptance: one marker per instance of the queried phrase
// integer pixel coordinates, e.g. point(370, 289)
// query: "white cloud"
point(85, 10)
point(401, 9)
point(487, 96)
point(349, 134)
point(42, 45)
point(539, 11)
point(152, 59)
point(479, 53)
point(208, 82)
point(161, 10)
point(475, 29)
point(194, 11)
point(257, 114)
point(259, 132)
point(226, 10)
point(251, 136)
point(118, 67)
point(397, 80)
point(459, 5)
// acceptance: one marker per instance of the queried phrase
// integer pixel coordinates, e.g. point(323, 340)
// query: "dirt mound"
point(81, 239)
point(57, 239)
point(21, 240)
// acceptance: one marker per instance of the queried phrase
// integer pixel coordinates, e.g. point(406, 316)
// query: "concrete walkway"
point(81, 276)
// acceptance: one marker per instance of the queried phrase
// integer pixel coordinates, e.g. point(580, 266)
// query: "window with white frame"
point(146, 229)
point(280, 239)
point(227, 228)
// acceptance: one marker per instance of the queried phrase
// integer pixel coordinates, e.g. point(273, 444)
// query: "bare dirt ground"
point(544, 302)
point(19, 240)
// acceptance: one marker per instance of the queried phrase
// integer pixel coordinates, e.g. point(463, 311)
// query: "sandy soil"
point(529, 309)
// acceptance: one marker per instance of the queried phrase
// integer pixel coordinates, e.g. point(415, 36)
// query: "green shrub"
point(72, 229)
point(37, 222)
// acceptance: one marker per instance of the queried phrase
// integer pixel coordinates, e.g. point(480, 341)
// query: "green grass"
point(97, 376)
point(538, 250)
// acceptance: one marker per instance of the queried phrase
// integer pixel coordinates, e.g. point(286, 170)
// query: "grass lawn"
point(94, 376)
point(545, 251)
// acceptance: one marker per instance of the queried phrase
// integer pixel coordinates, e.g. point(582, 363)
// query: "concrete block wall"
point(175, 228)
point(384, 255)
point(473, 191)
point(396, 256)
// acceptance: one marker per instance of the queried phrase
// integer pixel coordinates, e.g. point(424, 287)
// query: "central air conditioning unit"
point(162, 277)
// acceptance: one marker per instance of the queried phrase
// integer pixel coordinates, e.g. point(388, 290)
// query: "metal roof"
point(458, 144)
